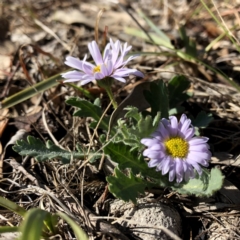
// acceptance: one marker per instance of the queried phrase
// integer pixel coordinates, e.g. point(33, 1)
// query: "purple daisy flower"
point(111, 64)
point(173, 149)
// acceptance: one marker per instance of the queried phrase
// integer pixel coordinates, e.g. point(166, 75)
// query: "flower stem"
point(110, 95)
point(106, 84)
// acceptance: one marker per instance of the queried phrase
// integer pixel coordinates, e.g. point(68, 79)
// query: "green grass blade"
point(163, 37)
point(221, 25)
point(30, 91)
point(32, 226)
point(12, 206)
point(139, 33)
point(79, 233)
point(8, 229)
point(211, 44)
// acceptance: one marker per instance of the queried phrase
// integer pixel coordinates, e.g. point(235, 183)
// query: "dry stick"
point(19, 167)
point(102, 159)
point(49, 193)
point(90, 218)
point(48, 130)
point(95, 130)
point(225, 25)
point(97, 24)
point(139, 25)
point(91, 141)
point(167, 231)
point(48, 30)
point(9, 81)
point(36, 189)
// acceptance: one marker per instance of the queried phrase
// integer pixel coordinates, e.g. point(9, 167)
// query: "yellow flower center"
point(177, 147)
point(97, 69)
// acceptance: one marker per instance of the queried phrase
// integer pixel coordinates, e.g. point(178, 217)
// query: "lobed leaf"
point(204, 186)
point(124, 187)
point(189, 44)
point(157, 97)
point(88, 109)
point(202, 120)
point(122, 154)
point(177, 88)
point(36, 148)
point(127, 157)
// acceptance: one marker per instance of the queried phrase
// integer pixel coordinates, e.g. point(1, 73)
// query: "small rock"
point(9, 236)
point(147, 217)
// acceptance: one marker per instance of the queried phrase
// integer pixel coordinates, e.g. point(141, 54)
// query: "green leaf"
point(204, 186)
point(189, 44)
point(202, 120)
point(176, 110)
point(50, 223)
point(79, 233)
point(133, 112)
point(36, 148)
point(32, 226)
point(122, 154)
point(88, 109)
point(157, 97)
point(124, 187)
point(126, 157)
point(4, 202)
point(146, 126)
point(177, 88)
point(135, 126)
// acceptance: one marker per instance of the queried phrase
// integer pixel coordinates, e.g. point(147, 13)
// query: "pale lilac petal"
point(119, 78)
point(109, 66)
point(116, 48)
point(172, 174)
point(198, 140)
point(181, 121)
point(104, 70)
point(152, 154)
point(95, 52)
point(71, 80)
point(73, 62)
point(149, 141)
point(163, 131)
point(107, 52)
point(198, 148)
point(166, 166)
point(185, 126)
point(156, 147)
point(172, 125)
point(73, 75)
point(87, 67)
point(99, 75)
point(153, 163)
point(83, 82)
point(190, 133)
